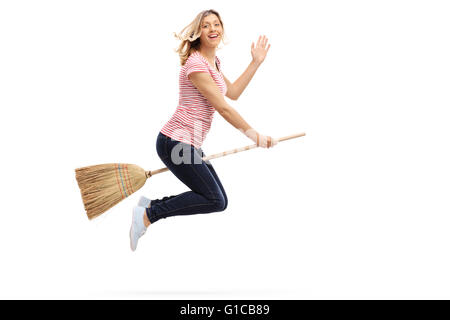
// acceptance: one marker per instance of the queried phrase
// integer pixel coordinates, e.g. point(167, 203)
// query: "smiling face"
point(211, 31)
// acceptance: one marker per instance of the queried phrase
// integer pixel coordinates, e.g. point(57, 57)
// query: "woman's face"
point(211, 27)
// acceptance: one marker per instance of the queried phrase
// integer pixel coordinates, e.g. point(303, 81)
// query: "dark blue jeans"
point(185, 162)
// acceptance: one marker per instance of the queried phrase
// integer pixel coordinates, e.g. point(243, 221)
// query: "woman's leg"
point(213, 172)
point(206, 194)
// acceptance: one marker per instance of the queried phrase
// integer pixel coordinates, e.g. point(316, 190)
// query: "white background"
point(356, 209)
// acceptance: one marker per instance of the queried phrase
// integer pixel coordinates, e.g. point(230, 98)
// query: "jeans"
point(185, 162)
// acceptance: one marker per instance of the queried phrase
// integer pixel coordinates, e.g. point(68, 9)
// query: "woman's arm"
point(235, 89)
point(209, 89)
point(259, 53)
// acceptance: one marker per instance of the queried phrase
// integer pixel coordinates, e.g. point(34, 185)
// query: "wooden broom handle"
point(225, 153)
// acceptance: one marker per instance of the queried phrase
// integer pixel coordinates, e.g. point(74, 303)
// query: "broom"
point(103, 186)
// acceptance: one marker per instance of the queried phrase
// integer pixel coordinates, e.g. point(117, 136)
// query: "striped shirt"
point(194, 114)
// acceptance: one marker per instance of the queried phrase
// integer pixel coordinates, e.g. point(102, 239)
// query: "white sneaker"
point(144, 202)
point(138, 228)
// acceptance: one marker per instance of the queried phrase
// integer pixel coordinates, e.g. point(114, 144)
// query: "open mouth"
point(213, 36)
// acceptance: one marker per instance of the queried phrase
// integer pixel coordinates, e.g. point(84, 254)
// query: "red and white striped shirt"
point(193, 117)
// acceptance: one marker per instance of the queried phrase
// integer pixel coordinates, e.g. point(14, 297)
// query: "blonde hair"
point(190, 35)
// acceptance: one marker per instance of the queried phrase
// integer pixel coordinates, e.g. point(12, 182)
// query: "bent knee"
point(220, 204)
point(225, 204)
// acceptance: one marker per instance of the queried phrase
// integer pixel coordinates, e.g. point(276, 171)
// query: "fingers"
point(267, 142)
point(261, 141)
point(264, 141)
point(262, 42)
point(271, 142)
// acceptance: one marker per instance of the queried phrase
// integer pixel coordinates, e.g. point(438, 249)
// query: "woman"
point(202, 87)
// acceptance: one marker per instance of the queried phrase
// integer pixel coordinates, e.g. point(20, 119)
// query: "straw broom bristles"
point(103, 186)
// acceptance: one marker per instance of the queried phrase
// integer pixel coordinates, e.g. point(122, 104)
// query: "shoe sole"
point(131, 228)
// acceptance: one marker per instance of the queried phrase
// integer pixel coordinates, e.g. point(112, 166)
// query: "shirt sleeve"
point(195, 64)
